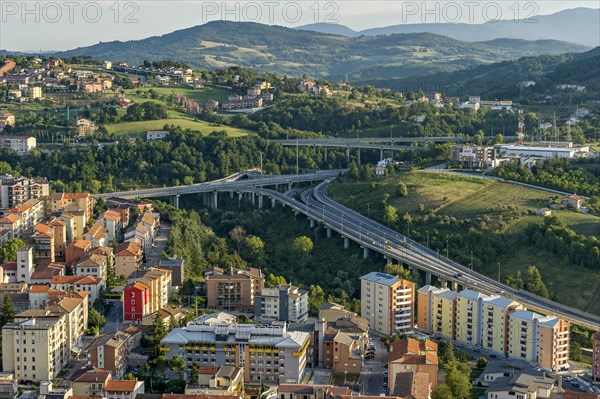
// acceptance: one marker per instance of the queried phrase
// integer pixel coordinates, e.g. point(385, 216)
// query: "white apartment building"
point(267, 353)
point(284, 302)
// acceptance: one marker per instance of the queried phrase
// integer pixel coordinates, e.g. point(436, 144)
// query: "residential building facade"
point(387, 303)
point(284, 302)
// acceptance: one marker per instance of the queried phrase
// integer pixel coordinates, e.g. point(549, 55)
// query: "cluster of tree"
point(7, 315)
point(145, 111)
point(184, 157)
point(164, 64)
point(458, 383)
point(8, 251)
point(560, 174)
point(575, 249)
point(532, 283)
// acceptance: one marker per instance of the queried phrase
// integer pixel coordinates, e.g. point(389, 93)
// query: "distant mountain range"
point(577, 25)
point(289, 51)
point(502, 80)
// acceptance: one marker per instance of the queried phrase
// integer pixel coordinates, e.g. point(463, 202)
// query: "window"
point(133, 301)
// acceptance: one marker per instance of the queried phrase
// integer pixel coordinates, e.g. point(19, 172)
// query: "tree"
point(302, 245)
point(446, 351)
point(515, 280)
point(482, 362)
point(479, 137)
point(575, 352)
point(177, 364)
point(158, 330)
point(353, 171)
point(316, 298)
point(7, 311)
point(273, 280)
point(401, 189)
point(457, 379)
point(443, 391)
point(8, 252)
point(95, 319)
point(253, 248)
point(237, 235)
point(390, 215)
point(534, 283)
point(397, 270)
point(243, 319)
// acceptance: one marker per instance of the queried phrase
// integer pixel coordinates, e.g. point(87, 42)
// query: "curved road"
point(369, 234)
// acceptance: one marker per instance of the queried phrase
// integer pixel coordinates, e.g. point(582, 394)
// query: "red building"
point(136, 301)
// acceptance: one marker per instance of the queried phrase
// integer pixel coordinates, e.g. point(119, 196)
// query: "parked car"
point(369, 356)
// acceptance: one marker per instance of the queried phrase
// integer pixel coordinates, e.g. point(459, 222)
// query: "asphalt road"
point(373, 371)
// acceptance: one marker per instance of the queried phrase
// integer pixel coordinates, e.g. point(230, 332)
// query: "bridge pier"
point(252, 196)
point(381, 154)
point(427, 278)
point(314, 150)
point(214, 200)
point(443, 283)
point(329, 232)
point(312, 223)
point(454, 286)
point(175, 200)
point(289, 186)
point(273, 202)
point(346, 243)
point(260, 201)
point(348, 155)
point(231, 194)
point(365, 252)
point(358, 151)
point(325, 154)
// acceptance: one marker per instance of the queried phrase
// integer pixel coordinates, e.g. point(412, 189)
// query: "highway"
point(377, 237)
point(228, 184)
point(366, 140)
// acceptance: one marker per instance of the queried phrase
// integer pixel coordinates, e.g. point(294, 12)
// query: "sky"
point(50, 25)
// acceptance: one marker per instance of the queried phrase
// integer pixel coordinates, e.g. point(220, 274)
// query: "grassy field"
point(465, 198)
point(205, 128)
point(200, 95)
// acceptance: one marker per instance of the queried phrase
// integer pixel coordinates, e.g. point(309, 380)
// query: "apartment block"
point(267, 353)
point(339, 345)
point(474, 156)
point(34, 349)
point(128, 258)
point(136, 301)
point(469, 307)
point(540, 339)
point(235, 290)
point(123, 389)
point(436, 312)
point(31, 212)
point(82, 201)
point(159, 281)
point(284, 302)
point(109, 352)
point(19, 144)
point(331, 311)
point(495, 313)
point(16, 190)
point(387, 303)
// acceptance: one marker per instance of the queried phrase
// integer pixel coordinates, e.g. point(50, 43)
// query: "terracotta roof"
point(10, 219)
point(412, 385)
point(83, 244)
point(39, 288)
point(129, 248)
point(97, 230)
point(183, 396)
point(120, 385)
point(138, 285)
point(296, 389)
point(42, 228)
point(9, 266)
point(207, 370)
point(76, 195)
point(93, 374)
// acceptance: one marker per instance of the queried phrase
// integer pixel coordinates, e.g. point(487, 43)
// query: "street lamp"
point(498, 271)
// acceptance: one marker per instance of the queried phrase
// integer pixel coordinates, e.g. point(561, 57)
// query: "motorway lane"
point(372, 235)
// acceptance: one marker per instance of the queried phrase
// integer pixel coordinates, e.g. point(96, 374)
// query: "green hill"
point(501, 79)
point(290, 51)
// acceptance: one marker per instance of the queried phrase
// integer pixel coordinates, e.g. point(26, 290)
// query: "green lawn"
point(200, 95)
point(465, 198)
point(205, 128)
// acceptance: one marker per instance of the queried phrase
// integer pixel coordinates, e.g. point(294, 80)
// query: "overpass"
point(373, 236)
point(231, 183)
